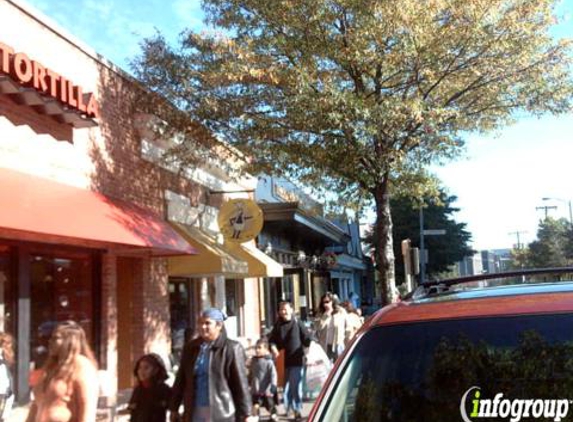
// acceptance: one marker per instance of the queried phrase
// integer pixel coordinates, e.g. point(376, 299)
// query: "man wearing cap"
point(212, 380)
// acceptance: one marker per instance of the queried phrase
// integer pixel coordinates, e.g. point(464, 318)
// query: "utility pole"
point(517, 233)
point(520, 260)
point(546, 208)
point(422, 249)
point(423, 255)
point(568, 202)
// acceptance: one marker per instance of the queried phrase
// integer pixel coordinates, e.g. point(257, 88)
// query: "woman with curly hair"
point(68, 388)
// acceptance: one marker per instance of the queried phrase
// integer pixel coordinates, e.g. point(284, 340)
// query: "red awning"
point(34, 208)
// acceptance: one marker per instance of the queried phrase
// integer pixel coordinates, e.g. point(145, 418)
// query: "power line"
point(546, 208)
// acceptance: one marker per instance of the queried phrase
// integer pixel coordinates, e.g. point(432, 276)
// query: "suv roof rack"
point(439, 286)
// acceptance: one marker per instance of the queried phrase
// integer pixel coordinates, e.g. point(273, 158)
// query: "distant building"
point(495, 260)
point(470, 265)
point(485, 262)
point(503, 258)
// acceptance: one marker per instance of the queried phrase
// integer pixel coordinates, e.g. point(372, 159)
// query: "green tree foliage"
point(359, 96)
point(444, 250)
point(519, 258)
point(551, 247)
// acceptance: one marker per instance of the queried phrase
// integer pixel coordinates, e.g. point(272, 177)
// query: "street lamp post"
point(568, 202)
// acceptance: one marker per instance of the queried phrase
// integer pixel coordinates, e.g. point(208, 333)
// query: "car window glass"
point(419, 372)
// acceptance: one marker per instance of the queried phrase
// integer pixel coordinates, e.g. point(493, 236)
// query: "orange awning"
point(34, 208)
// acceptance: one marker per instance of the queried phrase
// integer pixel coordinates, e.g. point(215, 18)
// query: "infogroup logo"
point(514, 409)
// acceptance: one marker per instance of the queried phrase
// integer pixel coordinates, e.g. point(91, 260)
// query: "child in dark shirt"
point(263, 379)
point(151, 395)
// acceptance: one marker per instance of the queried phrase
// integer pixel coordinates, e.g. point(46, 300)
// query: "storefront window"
point(61, 289)
point(287, 288)
point(179, 303)
point(232, 324)
point(231, 297)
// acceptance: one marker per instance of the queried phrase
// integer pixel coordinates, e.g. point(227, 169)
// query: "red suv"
point(461, 350)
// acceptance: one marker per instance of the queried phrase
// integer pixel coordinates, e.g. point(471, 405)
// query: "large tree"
point(359, 96)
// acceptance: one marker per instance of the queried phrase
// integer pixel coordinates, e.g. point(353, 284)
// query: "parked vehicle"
point(467, 349)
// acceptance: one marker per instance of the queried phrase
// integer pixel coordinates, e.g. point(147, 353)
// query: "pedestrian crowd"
point(215, 381)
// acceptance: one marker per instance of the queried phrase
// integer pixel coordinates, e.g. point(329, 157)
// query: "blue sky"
point(500, 181)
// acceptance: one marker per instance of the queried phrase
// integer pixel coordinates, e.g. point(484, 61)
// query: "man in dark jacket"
point(212, 380)
point(291, 335)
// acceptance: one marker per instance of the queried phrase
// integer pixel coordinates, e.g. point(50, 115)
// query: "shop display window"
point(61, 289)
point(179, 303)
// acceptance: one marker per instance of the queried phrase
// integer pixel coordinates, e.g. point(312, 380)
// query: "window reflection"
point(61, 289)
point(180, 309)
point(419, 372)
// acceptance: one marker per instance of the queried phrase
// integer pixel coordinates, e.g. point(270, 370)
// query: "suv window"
point(420, 372)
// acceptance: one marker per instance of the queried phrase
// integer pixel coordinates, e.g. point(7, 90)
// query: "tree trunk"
point(384, 251)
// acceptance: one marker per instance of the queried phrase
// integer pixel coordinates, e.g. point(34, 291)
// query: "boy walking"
point(263, 379)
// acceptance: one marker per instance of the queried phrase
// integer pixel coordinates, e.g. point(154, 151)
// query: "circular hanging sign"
point(240, 220)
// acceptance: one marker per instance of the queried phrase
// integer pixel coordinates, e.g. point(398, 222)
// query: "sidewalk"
point(306, 407)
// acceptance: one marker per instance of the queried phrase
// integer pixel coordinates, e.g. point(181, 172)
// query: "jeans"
point(293, 389)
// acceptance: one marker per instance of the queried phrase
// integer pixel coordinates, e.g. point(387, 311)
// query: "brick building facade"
point(85, 229)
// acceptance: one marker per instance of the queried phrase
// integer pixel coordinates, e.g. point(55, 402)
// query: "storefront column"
point(155, 309)
point(220, 300)
point(23, 349)
point(109, 329)
point(204, 294)
point(251, 311)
